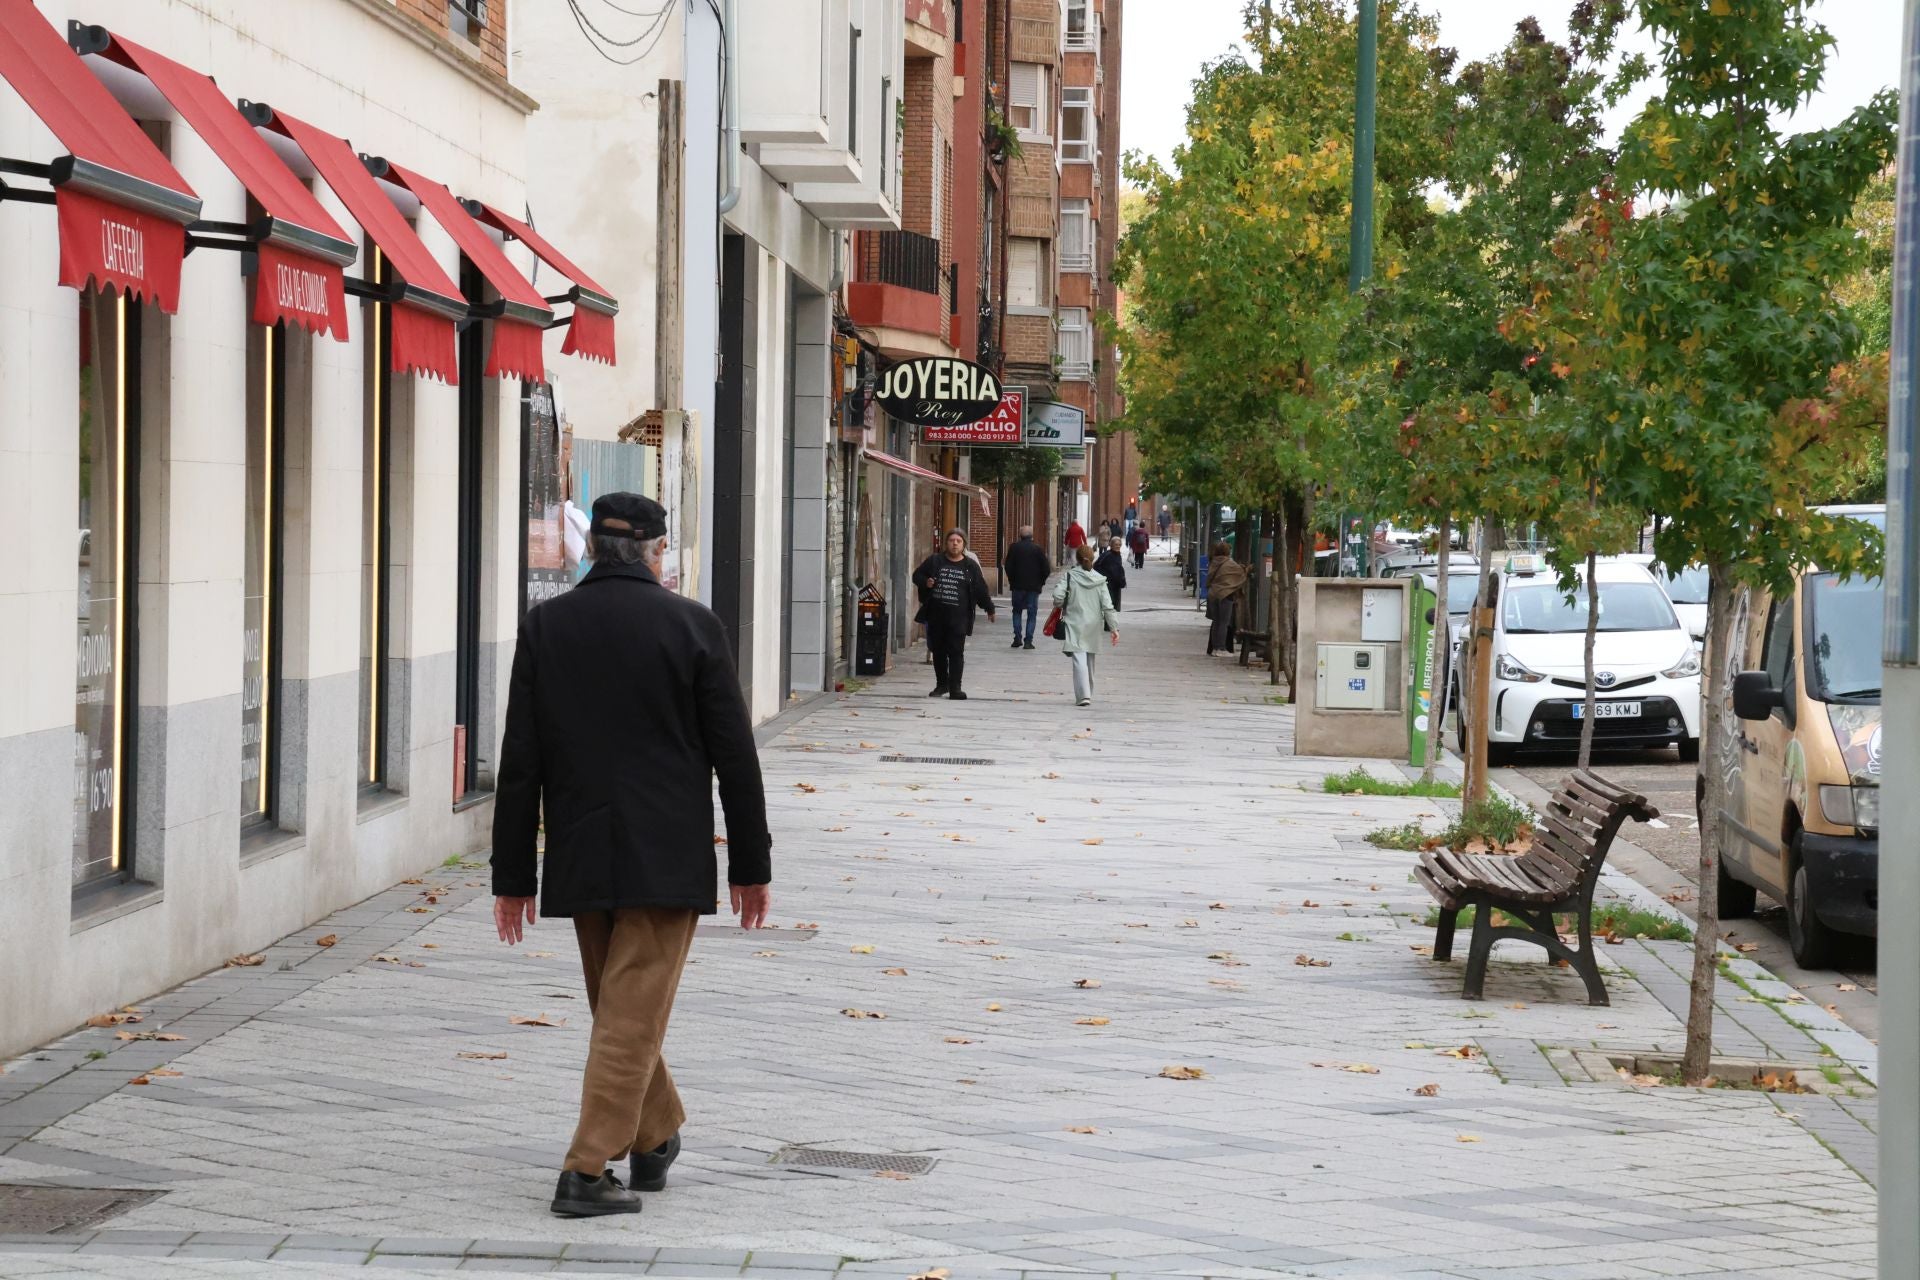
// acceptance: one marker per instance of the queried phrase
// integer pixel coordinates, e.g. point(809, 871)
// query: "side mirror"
point(1754, 696)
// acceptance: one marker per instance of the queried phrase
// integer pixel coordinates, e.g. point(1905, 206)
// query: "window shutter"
point(1026, 261)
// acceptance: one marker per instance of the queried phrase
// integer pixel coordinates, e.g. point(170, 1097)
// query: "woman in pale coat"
point(1086, 609)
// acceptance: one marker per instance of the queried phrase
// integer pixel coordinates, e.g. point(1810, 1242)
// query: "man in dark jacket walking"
point(950, 586)
point(622, 708)
point(1027, 574)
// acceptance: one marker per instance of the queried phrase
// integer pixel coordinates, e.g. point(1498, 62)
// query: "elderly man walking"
point(1027, 574)
point(623, 707)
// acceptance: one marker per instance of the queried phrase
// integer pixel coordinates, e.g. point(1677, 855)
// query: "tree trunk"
point(1593, 624)
point(1476, 684)
point(1442, 641)
point(1717, 676)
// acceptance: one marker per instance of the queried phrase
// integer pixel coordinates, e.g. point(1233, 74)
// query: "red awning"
point(301, 249)
point(905, 468)
point(590, 329)
point(524, 314)
point(123, 210)
point(428, 302)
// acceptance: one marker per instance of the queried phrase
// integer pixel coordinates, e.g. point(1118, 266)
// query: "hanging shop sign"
point(1005, 426)
point(938, 391)
point(1051, 424)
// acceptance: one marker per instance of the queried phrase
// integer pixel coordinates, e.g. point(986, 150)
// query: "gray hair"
point(627, 550)
point(1026, 531)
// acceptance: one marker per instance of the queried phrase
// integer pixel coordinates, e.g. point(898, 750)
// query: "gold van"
point(1802, 702)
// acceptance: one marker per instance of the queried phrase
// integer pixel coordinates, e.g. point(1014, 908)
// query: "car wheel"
point(1689, 750)
point(1812, 943)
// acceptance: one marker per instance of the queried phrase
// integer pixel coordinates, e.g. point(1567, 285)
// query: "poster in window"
point(97, 622)
point(546, 555)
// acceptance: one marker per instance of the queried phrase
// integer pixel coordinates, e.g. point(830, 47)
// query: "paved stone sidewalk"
point(1095, 896)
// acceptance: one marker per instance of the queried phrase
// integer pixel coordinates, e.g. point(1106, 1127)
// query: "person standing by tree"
point(1027, 574)
point(1111, 566)
point(623, 706)
point(951, 586)
point(1166, 523)
point(1085, 611)
point(1226, 582)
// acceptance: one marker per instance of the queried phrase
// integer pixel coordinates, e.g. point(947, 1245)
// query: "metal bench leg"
point(1477, 952)
point(1443, 933)
point(1585, 961)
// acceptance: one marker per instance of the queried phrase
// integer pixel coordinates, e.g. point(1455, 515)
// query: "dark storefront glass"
point(375, 506)
point(260, 595)
point(109, 343)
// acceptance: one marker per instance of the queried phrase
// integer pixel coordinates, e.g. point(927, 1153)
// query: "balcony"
point(901, 292)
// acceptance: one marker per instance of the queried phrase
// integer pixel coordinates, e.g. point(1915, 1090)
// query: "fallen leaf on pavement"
point(1744, 947)
point(937, 1273)
point(1189, 924)
point(1183, 1073)
point(415, 880)
point(327, 941)
point(1091, 1022)
point(168, 1072)
point(1417, 1044)
point(1516, 1005)
point(1427, 1091)
point(1307, 961)
point(1216, 906)
point(1136, 924)
point(1357, 1068)
point(1081, 1128)
point(244, 962)
point(1465, 1137)
point(806, 787)
point(1050, 776)
point(1607, 1026)
point(1094, 840)
point(1086, 984)
point(764, 954)
point(1464, 1052)
point(420, 911)
point(1228, 983)
point(539, 955)
point(140, 1080)
point(433, 946)
point(112, 1019)
point(833, 828)
point(1308, 902)
point(862, 1013)
point(958, 1040)
point(479, 1055)
point(1421, 948)
point(537, 1020)
point(862, 949)
point(893, 1175)
point(993, 1008)
point(1846, 986)
point(895, 973)
point(148, 1035)
point(868, 746)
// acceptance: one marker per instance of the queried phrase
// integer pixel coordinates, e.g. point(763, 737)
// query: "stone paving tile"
point(323, 1113)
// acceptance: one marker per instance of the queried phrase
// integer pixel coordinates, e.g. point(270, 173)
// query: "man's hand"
point(1113, 637)
point(991, 615)
point(750, 903)
point(511, 916)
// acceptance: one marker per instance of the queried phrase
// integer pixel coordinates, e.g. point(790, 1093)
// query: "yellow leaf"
point(1182, 1073)
point(993, 1008)
point(1091, 1022)
point(1466, 1137)
point(861, 1013)
point(862, 949)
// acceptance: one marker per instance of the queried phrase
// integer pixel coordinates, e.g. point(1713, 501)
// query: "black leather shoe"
point(1027, 645)
point(1016, 642)
point(939, 691)
point(579, 1196)
point(958, 695)
point(650, 1167)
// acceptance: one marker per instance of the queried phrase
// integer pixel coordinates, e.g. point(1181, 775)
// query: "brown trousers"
point(632, 958)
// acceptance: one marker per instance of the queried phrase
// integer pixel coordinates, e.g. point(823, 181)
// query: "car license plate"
point(1607, 710)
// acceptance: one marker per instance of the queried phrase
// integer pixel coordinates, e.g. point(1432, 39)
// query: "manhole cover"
point(44, 1211)
point(877, 1161)
point(934, 760)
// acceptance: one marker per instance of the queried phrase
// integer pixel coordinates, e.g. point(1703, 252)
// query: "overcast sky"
point(1165, 42)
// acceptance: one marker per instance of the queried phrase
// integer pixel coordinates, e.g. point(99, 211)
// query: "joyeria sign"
point(938, 391)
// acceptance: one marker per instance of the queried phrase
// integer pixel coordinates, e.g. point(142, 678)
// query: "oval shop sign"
point(938, 391)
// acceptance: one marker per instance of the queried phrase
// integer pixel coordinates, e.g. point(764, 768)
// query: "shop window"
point(104, 698)
point(1076, 125)
point(1027, 99)
point(1027, 274)
point(376, 533)
point(470, 532)
point(262, 591)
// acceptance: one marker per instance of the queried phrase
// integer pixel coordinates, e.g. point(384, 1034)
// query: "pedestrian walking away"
point(1132, 517)
point(1076, 536)
point(622, 708)
point(1112, 566)
point(951, 586)
point(1138, 542)
point(1166, 521)
point(1086, 610)
point(1226, 583)
point(1027, 574)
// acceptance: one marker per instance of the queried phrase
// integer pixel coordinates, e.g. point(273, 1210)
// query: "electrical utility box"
point(1352, 677)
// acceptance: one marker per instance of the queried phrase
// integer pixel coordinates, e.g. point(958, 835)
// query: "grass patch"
point(1352, 937)
point(453, 860)
point(1408, 835)
point(1496, 820)
point(94, 1055)
point(1618, 918)
point(1360, 782)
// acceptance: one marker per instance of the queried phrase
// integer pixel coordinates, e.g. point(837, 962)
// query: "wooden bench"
point(1557, 875)
point(1251, 643)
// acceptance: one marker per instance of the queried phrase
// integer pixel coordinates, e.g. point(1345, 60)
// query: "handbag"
point(1057, 620)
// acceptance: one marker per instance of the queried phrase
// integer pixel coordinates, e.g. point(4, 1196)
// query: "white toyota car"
point(1646, 668)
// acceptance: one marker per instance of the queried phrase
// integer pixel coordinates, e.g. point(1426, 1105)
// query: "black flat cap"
point(643, 517)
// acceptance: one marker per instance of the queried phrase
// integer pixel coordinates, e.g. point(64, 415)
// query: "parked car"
point(1801, 688)
point(1686, 590)
point(1646, 668)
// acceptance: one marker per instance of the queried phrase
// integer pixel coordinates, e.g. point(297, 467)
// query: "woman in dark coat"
point(1138, 542)
point(1113, 567)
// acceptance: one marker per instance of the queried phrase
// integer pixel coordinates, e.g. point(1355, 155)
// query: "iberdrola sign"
point(938, 391)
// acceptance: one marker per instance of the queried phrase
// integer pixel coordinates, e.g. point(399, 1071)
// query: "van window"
point(1624, 606)
point(1779, 645)
point(1843, 637)
point(1689, 586)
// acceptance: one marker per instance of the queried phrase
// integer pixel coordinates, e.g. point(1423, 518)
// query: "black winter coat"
point(1111, 566)
point(1027, 567)
point(958, 589)
point(622, 708)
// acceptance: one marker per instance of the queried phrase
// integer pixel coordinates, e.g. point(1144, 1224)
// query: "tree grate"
point(934, 760)
point(41, 1211)
point(876, 1161)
